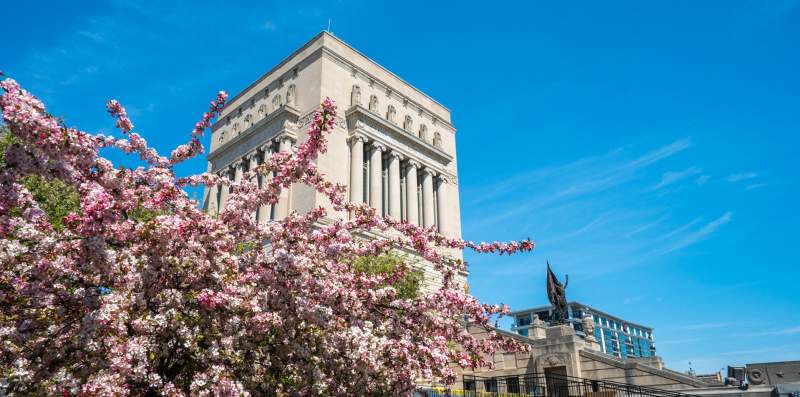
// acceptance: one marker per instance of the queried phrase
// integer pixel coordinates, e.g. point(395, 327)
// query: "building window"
point(490, 385)
point(523, 332)
point(469, 385)
point(512, 385)
point(524, 320)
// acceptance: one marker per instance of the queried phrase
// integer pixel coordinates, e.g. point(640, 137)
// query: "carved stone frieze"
point(377, 128)
point(282, 122)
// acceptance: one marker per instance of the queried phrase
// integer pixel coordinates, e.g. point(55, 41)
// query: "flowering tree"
point(141, 293)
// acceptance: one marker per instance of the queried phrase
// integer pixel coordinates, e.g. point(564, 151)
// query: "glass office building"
point(616, 336)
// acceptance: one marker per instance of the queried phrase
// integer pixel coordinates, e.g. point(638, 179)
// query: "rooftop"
point(327, 41)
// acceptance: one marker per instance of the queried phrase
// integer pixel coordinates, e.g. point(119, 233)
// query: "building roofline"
point(593, 309)
point(317, 37)
point(325, 33)
point(284, 61)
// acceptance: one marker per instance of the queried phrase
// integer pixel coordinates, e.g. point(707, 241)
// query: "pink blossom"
point(182, 303)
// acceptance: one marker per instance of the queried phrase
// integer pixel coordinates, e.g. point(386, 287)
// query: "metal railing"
point(545, 385)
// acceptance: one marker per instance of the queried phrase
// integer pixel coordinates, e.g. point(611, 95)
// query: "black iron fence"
point(545, 385)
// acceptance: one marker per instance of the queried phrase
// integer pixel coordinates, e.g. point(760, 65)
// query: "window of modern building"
point(636, 351)
point(623, 349)
point(524, 320)
point(523, 332)
point(644, 348)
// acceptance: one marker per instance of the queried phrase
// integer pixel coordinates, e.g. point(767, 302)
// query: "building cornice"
point(274, 69)
point(355, 70)
point(324, 50)
point(285, 114)
point(358, 117)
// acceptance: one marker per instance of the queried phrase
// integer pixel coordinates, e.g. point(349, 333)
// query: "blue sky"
point(650, 148)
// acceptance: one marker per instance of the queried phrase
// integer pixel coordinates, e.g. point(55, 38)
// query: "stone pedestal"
point(559, 331)
point(538, 329)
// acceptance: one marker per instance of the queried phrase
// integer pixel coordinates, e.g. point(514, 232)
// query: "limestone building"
point(393, 146)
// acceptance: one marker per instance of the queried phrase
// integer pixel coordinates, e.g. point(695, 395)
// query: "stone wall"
point(559, 346)
point(595, 365)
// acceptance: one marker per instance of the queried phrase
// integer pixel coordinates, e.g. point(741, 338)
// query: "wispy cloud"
point(794, 330)
point(742, 176)
point(633, 299)
point(678, 341)
point(647, 226)
point(683, 228)
point(269, 26)
point(579, 231)
point(755, 186)
point(586, 176)
point(710, 325)
point(671, 177)
point(593, 209)
point(693, 237)
point(702, 179)
point(662, 153)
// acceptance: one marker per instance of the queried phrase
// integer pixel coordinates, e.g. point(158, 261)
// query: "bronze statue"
point(557, 295)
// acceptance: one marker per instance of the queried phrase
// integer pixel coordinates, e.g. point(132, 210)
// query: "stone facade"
point(558, 347)
point(393, 146)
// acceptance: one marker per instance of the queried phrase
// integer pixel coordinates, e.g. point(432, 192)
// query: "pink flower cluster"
point(181, 303)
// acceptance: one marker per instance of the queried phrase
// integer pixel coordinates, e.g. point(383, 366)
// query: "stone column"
point(357, 169)
point(394, 185)
point(427, 198)
point(224, 189)
point(412, 203)
point(282, 209)
point(252, 162)
point(264, 210)
point(210, 201)
point(376, 178)
point(237, 175)
point(441, 206)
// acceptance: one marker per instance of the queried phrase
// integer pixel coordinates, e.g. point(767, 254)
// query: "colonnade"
point(397, 186)
point(235, 171)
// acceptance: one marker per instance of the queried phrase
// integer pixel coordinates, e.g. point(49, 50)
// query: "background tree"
point(388, 265)
point(141, 293)
point(56, 198)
